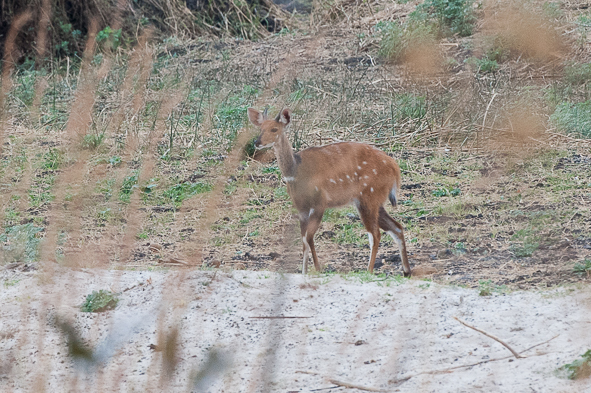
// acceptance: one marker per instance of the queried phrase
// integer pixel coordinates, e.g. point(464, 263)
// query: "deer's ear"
point(285, 116)
point(255, 117)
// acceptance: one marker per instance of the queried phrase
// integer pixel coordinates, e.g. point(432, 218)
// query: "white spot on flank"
point(371, 189)
point(360, 192)
point(332, 181)
point(311, 212)
point(364, 184)
point(341, 180)
point(384, 161)
point(358, 167)
point(289, 179)
point(348, 177)
point(366, 177)
point(356, 172)
point(364, 162)
point(375, 172)
point(316, 188)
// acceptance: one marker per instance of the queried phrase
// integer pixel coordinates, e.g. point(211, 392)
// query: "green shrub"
point(396, 38)
point(583, 269)
point(452, 16)
point(573, 118)
point(484, 65)
point(100, 301)
point(579, 368)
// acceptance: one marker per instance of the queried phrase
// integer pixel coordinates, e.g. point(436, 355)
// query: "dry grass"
point(488, 188)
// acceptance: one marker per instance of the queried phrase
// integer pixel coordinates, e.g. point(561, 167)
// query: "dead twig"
point(342, 383)
point(450, 369)
point(491, 336)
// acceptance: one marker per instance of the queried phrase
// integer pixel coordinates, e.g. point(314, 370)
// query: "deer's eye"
point(273, 129)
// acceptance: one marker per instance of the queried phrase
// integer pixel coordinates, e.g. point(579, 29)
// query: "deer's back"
point(340, 173)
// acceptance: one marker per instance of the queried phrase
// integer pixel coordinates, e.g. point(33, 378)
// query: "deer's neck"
point(285, 157)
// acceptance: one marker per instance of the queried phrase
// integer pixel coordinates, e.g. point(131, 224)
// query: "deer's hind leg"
point(395, 230)
point(309, 223)
point(369, 217)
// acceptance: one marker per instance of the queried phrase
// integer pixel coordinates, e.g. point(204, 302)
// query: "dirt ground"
point(333, 332)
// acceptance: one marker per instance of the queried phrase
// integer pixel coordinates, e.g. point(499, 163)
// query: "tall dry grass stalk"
point(8, 61)
point(70, 180)
point(169, 100)
point(41, 49)
point(525, 32)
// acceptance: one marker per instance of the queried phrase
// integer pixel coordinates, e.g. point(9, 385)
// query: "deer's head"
point(271, 130)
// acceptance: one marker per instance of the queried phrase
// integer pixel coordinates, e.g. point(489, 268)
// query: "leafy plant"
point(107, 34)
point(99, 301)
point(129, 183)
point(484, 65)
point(583, 268)
point(444, 191)
point(580, 368)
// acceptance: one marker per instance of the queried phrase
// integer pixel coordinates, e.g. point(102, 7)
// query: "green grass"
point(179, 192)
point(396, 38)
point(366, 277)
point(488, 288)
point(20, 243)
point(574, 118)
point(93, 141)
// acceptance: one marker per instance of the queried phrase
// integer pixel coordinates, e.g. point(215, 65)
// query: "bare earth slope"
point(373, 335)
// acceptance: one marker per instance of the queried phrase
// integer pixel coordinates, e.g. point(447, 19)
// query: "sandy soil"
point(373, 335)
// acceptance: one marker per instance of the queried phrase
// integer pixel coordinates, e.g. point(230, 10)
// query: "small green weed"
point(11, 283)
point(444, 191)
point(578, 369)
point(484, 65)
point(93, 141)
point(583, 269)
point(487, 288)
point(52, 159)
point(98, 301)
point(129, 183)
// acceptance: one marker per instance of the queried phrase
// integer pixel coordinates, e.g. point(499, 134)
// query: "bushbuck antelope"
point(332, 176)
